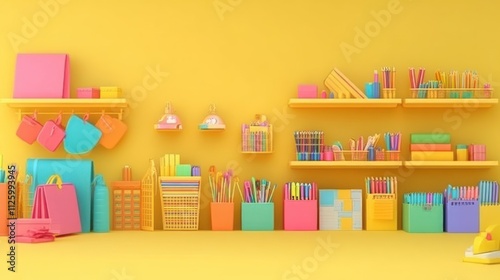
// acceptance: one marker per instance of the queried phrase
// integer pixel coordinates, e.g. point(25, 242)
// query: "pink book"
point(42, 76)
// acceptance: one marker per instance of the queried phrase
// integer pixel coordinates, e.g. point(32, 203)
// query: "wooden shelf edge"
point(449, 102)
point(249, 152)
point(343, 103)
point(24, 103)
point(450, 164)
point(345, 164)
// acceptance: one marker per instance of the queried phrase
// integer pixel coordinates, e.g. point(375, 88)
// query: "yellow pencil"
point(237, 182)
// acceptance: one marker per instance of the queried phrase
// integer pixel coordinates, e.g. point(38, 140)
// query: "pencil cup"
point(392, 155)
point(300, 215)
point(422, 218)
point(488, 215)
point(257, 216)
point(461, 216)
point(381, 212)
point(369, 90)
point(328, 155)
point(222, 215)
point(388, 93)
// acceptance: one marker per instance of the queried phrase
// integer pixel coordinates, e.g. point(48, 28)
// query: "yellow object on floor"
point(486, 247)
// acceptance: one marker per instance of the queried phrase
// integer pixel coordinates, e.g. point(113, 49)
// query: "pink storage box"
point(26, 228)
point(88, 93)
point(300, 215)
point(308, 91)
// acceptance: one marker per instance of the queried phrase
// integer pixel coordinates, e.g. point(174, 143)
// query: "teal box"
point(423, 218)
point(257, 216)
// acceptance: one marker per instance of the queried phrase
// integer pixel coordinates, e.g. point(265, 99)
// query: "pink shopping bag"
point(28, 129)
point(57, 201)
point(52, 134)
point(42, 76)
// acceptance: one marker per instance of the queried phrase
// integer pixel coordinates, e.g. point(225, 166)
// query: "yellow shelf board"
point(345, 164)
point(250, 152)
point(449, 102)
point(64, 103)
point(165, 130)
point(450, 164)
point(343, 103)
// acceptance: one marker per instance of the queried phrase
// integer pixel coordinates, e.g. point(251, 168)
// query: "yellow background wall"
point(248, 57)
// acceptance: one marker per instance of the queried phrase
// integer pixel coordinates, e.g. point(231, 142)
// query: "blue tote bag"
point(81, 135)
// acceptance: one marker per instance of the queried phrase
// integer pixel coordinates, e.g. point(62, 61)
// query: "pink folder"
point(42, 76)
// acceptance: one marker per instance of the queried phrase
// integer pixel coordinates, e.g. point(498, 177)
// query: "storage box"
point(88, 93)
point(110, 92)
point(340, 210)
point(222, 215)
point(461, 216)
point(308, 91)
point(488, 215)
point(257, 216)
point(300, 214)
point(381, 212)
point(422, 218)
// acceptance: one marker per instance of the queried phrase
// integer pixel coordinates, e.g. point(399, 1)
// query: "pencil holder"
point(422, 218)
point(392, 155)
point(379, 155)
point(222, 215)
point(381, 212)
point(388, 93)
point(488, 215)
point(257, 138)
point(300, 215)
point(350, 155)
point(257, 216)
point(461, 216)
point(340, 210)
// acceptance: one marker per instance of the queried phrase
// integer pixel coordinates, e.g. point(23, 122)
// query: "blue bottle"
point(371, 153)
point(100, 221)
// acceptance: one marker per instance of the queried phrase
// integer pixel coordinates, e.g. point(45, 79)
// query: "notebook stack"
point(431, 147)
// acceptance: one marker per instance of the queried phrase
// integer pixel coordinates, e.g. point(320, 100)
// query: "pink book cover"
point(42, 76)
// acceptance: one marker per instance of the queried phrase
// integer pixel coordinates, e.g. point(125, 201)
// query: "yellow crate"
point(488, 215)
point(381, 212)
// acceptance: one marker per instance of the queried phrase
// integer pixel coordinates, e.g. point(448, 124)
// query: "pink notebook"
point(42, 76)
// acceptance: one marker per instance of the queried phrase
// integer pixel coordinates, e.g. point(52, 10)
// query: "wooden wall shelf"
point(50, 106)
point(343, 103)
point(345, 164)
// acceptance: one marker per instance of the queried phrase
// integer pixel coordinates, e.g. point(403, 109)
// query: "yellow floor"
point(248, 255)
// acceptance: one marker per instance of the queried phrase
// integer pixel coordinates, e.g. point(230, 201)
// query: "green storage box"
point(257, 216)
point(423, 218)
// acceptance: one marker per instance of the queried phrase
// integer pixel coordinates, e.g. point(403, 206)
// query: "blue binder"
point(78, 172)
